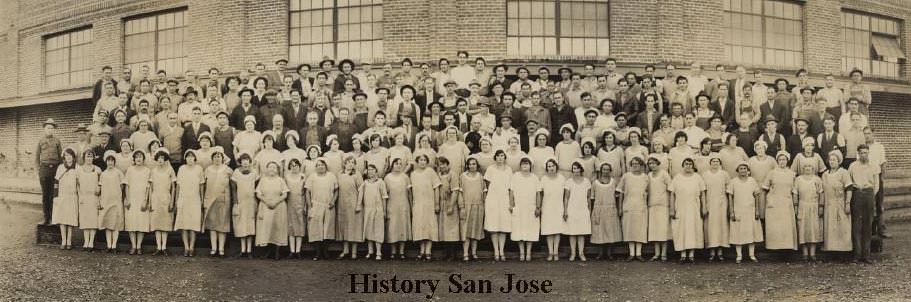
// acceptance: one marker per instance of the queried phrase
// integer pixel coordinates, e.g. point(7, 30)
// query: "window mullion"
point(335, 28)
point(558, 28)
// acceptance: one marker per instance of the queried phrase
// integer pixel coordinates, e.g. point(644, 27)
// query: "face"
point(485, 146)
point(782, 161)
point(551, 167)
point(743, 171)
point(635, 166)
point(688, 166)
point(500, 158)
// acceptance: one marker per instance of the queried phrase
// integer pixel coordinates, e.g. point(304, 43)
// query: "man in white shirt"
point(736, 91)
point(522, 74)
point(443, 75)
point(464, 73)
point(696, 79)
point(834, 97)
point(669, 83)
point(878, 159)
point(845, 122)
point(760, 90)
point(610, 64)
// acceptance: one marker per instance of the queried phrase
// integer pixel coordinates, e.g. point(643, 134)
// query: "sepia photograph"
point(455, 150)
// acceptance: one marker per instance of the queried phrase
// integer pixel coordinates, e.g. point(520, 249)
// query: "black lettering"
point(484, 286)
point(433, 287)
point(522, 286)
point(454, 286)
point(508, 287)
point(545, 286)
point(407, 286)
point(384, 286)
point(355, 284)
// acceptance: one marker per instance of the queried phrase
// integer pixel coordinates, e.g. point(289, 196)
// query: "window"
point(763, 32)
point(871, 44)
point(68, 59)
point(541, 28)
point(351, 29)
point(157, 41)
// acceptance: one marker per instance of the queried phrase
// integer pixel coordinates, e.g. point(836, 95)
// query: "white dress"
point(189, 199)
point(579, 220)
point(552, 205)
point(687, 228)
point(496, 205)
point(525, 189)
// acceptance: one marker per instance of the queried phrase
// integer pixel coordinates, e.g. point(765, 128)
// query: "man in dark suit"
point(527, 135)
point(279, 130)
point(735, 89)
point(106, 77)
point(724, 106)
point(313, 133)
point(648, 120)
point(777, 109)
point(294, 112)
point(190, 139)
point(795, 142)
point(244, 109)
point(410, 130)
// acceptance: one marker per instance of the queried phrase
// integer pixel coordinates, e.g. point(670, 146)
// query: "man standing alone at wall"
point(865, 175)
point(47, 157)
point(878, 159)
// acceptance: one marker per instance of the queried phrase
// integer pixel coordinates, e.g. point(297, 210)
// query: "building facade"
point(53, 51)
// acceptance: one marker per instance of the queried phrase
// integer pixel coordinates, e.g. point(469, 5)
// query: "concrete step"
point(898, 215)
point(891, 202)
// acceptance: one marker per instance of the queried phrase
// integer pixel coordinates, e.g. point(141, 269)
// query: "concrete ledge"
point(49, 235)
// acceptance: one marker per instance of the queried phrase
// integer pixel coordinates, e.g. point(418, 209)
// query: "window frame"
point(335, 24)
point(69, 71)
point(558, 27)
point(764, 32)
point(872, 57)
point(153, 67)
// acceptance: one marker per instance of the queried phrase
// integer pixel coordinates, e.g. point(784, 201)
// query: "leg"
point(581, 245)
point(856, 225)
point(354, 250)
point(867, 219)
point(630, 246)
point(572, 248)
point(557, 247)
point(115, 235)
point(213, 242)
point(91, 239)
point(752, 249)
point(62, 236)
point(466, 246)
point(47, 193)
point(139, 237)
point(192, 242)
point(879, 222)
point(222, 237)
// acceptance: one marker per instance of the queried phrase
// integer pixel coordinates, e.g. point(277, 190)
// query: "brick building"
point(52, 51)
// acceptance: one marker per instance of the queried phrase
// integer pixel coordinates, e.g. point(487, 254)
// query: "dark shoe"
point(156, 253)
point(132, 251)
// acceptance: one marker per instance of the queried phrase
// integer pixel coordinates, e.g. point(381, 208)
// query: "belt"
point(865, 189)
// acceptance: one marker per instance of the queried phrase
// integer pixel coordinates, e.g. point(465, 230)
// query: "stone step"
point(891, 202)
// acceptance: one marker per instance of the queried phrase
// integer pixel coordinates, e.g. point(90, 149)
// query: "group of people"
point(459, 153)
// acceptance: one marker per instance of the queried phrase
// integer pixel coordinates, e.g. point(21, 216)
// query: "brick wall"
point(703, 37)
point(889, 117)
point(406, 31)
point(21, 129)
point(633, 30)
point(822, 23)
point(482, 29)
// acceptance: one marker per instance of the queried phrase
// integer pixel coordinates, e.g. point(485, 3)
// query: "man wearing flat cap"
point(48, 155)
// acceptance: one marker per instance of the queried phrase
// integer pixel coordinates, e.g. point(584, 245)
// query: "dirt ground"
point(29, 272)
